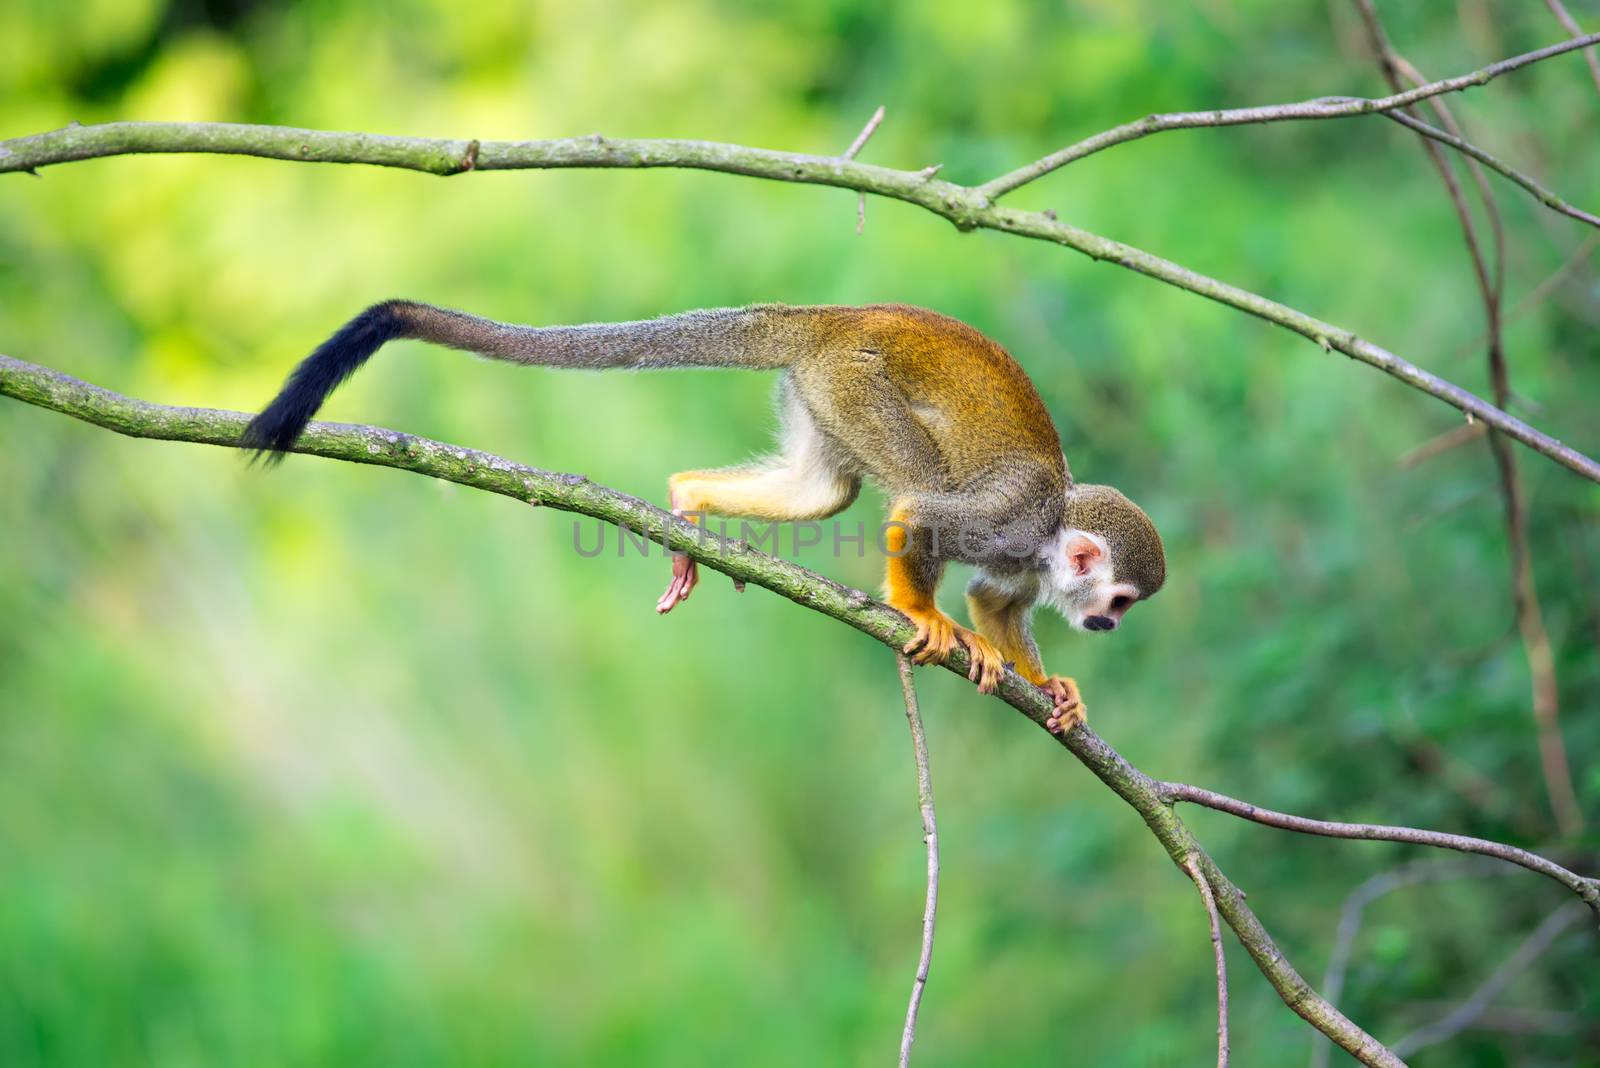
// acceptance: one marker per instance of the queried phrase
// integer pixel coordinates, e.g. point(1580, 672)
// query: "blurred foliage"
point(335, 766)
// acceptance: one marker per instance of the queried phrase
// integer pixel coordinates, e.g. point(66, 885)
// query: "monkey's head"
point(1108, 558)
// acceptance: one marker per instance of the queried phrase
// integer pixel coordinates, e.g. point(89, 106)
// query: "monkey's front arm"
point(1003, 617)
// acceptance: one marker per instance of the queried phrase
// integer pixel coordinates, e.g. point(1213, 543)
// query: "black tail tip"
point(273, 433)
point(267, 444)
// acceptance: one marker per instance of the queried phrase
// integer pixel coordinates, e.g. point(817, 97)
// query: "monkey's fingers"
point(1069, 711)
point(1065, 722)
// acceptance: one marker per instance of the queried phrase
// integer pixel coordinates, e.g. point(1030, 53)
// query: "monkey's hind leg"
point(779, 490)
point(806, 481)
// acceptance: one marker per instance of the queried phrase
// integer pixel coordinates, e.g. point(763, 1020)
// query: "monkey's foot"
point(988, 666)
point(685, 576)
point(1069, 711)
point(937, 637)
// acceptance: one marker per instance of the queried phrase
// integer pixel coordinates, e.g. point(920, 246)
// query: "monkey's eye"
point(1120, 601)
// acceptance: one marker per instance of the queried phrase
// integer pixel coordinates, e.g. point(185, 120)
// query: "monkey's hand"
point(1069, 711)
point(937, 637)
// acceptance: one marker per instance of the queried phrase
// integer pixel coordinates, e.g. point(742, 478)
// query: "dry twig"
point(850, 153)
point(1209, 899)
point(930, 835)
point(1587, 889)
point(1324, 108)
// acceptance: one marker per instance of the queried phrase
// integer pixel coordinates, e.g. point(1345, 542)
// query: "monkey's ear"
point(1082, 554)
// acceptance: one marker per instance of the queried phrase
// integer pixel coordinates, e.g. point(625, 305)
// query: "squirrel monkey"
point(938, 415)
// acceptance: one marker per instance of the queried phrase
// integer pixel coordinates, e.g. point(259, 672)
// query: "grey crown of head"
point(1137, 555)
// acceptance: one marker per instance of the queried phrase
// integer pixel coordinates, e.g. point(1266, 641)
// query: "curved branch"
point(1586, 888)
point(1324, 108)
point(930, 835)
point(1209, 900)
point(575, 493)
point(968, 208)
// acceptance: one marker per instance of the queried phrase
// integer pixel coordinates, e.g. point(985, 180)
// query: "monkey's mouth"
point(1099, 623)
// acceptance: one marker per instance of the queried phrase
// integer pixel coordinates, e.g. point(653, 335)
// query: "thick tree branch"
point(1324, 108)
point(968, 208)
point(575, 493)
point(930, 835)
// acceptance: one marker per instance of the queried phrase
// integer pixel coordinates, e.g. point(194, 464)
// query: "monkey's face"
point(1080, 582)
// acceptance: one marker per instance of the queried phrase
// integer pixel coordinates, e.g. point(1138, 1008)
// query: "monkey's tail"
point(762, 336)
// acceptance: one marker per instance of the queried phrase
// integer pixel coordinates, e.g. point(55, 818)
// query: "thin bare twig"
point(1543, 195)
point(930, 835)
point(1454, 438)
point(1551, 281)
point(1570, 24)
point(1539, 293)
point(866, 132)
point(961, 205)
point(1587, 889)
point(1324, 108)
point(1210, 901)
point(1525, 954)
point(1509, 1020)
point(850, 153)
point(1355, 904)
point(574, 493)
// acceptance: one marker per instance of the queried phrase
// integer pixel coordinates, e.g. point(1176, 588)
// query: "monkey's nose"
point(1099, 623)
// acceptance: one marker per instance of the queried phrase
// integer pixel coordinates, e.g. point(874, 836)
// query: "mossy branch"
point(1153, 801)
point(968, 207)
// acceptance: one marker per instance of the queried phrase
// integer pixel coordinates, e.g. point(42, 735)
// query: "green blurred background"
point(334, 765)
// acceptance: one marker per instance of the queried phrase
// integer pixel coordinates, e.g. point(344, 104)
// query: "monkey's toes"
point(934, 641)
point(685, 575)
point(987, 665)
